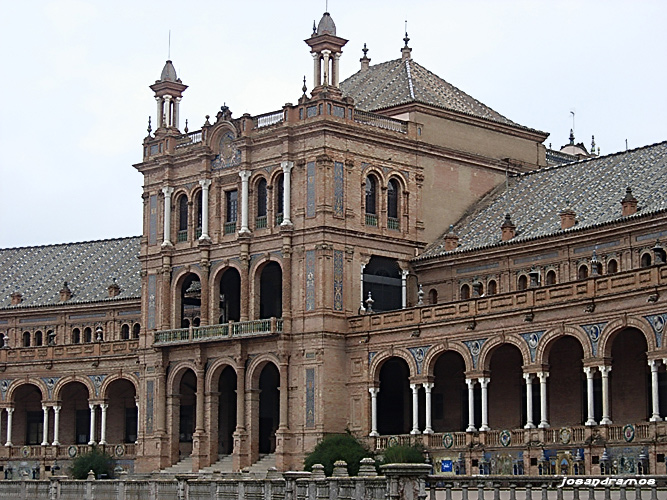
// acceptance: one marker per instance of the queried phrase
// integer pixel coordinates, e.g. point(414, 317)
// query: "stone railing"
point(103, 348)
point(189, 139)
point(20, 453)
point(268, 119)
point(380, 121)
point(219, 332)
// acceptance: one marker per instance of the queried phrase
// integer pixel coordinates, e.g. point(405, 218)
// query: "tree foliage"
point(95, 460)
point(337, 447)
point(404, 454)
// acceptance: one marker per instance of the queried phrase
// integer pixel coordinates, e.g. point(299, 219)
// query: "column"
point(167, 118)
point(287, 193)
point(45, 426)
point(529, 401)
point(374, 411)
point(245, 176)
point(655, 397)
point(103, 424)
point(589, 371)
point(136, 402)
point(92, 423)
point(10, 411)
point(199, 417)
point(334, 69)
point(167, 191)
point(316, 69)
point(362, 308)
point(415, 408)
point(240, 398)
point(484, 382)
point(204, 183)
point(177, 105)
point(284, 392)
point(427, 388)
point(56, 425)
point(160, 111)
point(325, 54)
point(404, 289)
point(604, 370)
point(471, 405)
point(544, 421)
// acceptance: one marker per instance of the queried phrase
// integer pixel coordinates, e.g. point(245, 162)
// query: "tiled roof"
point(38, 273)
point(403, 81)
point(593, 188)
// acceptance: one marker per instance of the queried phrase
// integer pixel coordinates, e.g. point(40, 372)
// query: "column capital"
point(428, 386)
point(414, 387)
point(45, 408)
point(245, 175)
point(92, 406)
point(653, 363)
point(287, 166)
point(168, 191)
point(604, 370)
point(374, 391)
point(470, 382)
point(57, 408)
point(104, 406)
point(205, 183)
point(484, 381)
point(10, 409)
point(589, 371)
point(528, 376)
point(543, 376)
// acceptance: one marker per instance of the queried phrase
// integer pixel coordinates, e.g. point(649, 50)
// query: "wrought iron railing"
point(260, 222)
point(182, 235)
point(393, 223)
point(371, 220)
point(230, 227)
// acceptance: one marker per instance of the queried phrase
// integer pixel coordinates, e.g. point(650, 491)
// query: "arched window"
point(465, 292)
point(551, 277)
point(371, 199)
point(198, 199)
point(522, 284)
point(279, 199)
point(125, 332)
point(646, 260)
point(39, 338)
point(392, 205)
point(136, 329)
point(433, 296)
point(26, 339)
point(492, 287)
point(260, 221)
point(612, 266)
point(87, 334)
point(76, 336)
point(182, 218)
point(50, 337)
point(583, 272)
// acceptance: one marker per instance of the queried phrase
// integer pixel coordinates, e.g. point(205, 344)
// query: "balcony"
point(225, 331)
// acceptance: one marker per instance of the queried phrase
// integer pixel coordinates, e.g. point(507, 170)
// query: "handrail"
point(381, 121)
point(222, 331)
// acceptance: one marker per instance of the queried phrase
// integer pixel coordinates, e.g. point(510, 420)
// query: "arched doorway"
point(75, 414)
point(269, 408)
point(121, 412)
point(629, 377)
point(28, 418)
point(187, 392)
point(566, 383)
point(230, 296)
point(226, 410)
point(190, 297)
point(506, 388)
point(394, 398)
point(382, 278)
point(271, 291)
point(449, 404)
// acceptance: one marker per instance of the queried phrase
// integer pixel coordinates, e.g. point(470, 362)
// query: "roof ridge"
point(71, 243)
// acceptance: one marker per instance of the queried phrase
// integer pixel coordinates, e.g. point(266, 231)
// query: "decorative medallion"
point(371, 355)
point(230, 155)
point(119, 450)
point(72, 451)
point(505, 437)
point(393, 441)
point(658, 324)
point(628, 432)
point(50, 383)
point(25, 451)
point(532, 339)
point(97, 382)
point(475, 347)
point(4, 387)
point(593, 332)
point(419, 353)
point(565, 435)
point(448, 440)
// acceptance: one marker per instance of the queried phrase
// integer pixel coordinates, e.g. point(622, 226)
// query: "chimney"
point(567, 218)
point(629, 203)
point(65, 293)
point(508, 228)
point(17, 298)
point(451, 240)
point(114, 289)
point(365, 61)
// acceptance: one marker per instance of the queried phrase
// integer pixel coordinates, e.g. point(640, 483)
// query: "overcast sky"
point(75, 76)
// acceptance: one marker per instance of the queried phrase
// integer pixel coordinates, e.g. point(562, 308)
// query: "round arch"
point(486, 353)
point(614, 327)
point(175, 375)
point(255, 368)
point(60, 385)
point(269, 291)
point(9, 397)
point(550, 336)
point(435, 351)
point(380, 358)
point(104, 388)
point(215, 370)
point(176, 290)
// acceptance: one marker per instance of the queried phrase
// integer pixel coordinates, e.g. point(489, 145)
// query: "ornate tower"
point(168, 93)
point(326, 49)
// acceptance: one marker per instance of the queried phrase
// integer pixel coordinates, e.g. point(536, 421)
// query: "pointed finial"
point(150, 129)
point(314, 28)
point(572, 136)
point(186, 126)
point(365, 50)
point(593, 144)
point(406, 39)
point(304, 88)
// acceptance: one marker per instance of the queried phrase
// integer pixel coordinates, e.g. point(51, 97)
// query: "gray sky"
point(75, 77)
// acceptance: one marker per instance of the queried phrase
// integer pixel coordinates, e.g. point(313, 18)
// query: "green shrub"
point(337, 447)
point(404, 454)
point(95, 460)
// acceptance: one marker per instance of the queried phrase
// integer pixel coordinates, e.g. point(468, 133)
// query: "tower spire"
point(168, 94)
point(326, 49)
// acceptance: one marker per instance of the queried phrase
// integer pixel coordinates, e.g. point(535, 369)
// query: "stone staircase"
point(262, 466)
point(184, 466)
point(223, 466)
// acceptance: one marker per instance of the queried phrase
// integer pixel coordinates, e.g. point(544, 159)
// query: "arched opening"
point(465, 291)
point(121, 412)
point(612, 266)
point(226, 410)
point(187, 390)
point(39, 337)
point(136, 330)
point(506, 398)
point(279, 193)
point(27, 424)
point(392, 205)
point(26, 339)
point(269, 408)
point(260, 221)
point(371, 201)
point(629, 377)
point(566, 383)
point(394, 398)
point(551, 277)
point(433, 296)
point(271, 291)
point(450, 396)
point(646, 260)
point(51, 337)
point(492, 287)
point(596, 268)
point(87, 334)
point(190, 301)
point(582, 273)
point(230, 296)
point(199, 209)
point(75, 414)
point(182, 218)
point(382, 278)
point(76, 336)
point(522, 282)
point(125, 332)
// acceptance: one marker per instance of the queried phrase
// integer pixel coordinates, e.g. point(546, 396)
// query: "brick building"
point(388, 255)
